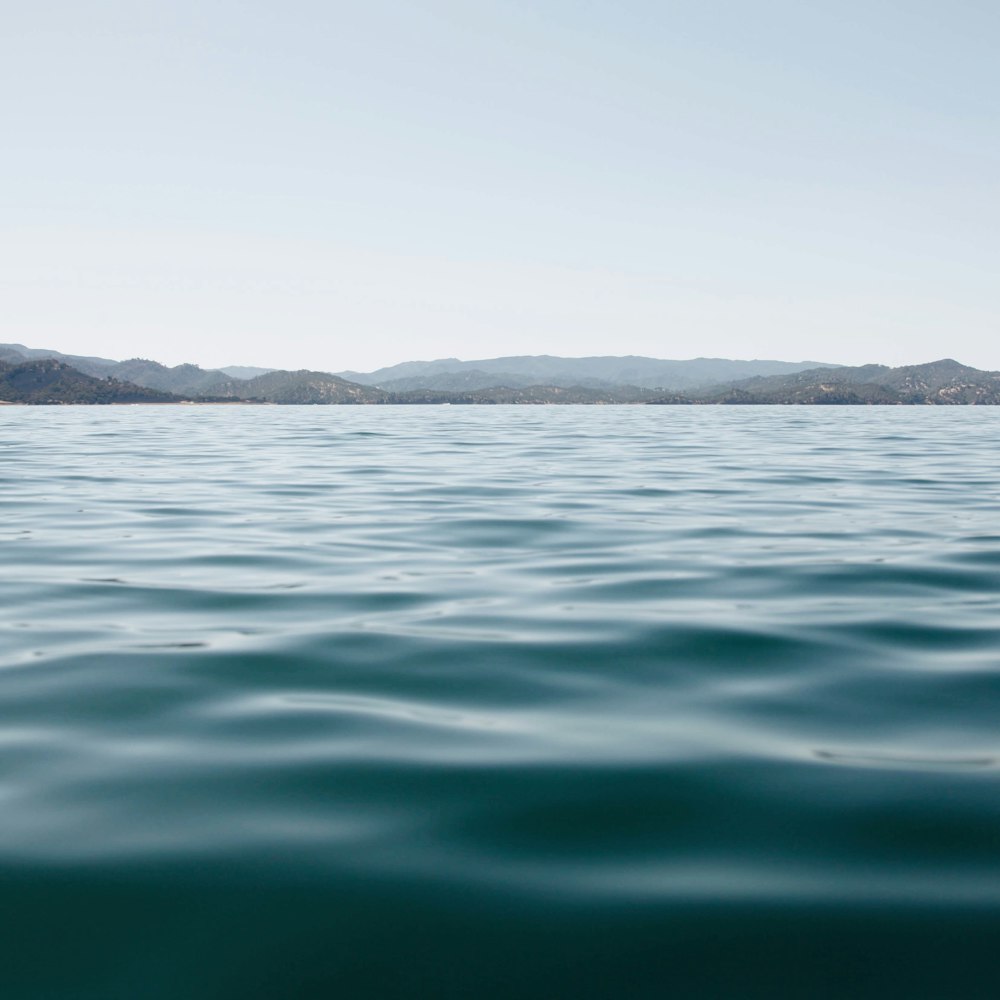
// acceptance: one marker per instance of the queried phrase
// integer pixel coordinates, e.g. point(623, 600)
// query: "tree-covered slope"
point(298, 387)
point(48, 381)
point(596, 372)
point(939, 383)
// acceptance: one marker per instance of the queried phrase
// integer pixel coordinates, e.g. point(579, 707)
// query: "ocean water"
point(483, 702)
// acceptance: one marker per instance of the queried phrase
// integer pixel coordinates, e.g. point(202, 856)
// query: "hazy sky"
point(346, 185)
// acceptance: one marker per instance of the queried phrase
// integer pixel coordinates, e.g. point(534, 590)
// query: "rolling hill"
point(48, 381)
point(938, 383)
point(596, 372)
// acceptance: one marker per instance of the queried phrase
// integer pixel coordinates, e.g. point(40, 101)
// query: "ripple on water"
point(500, 701)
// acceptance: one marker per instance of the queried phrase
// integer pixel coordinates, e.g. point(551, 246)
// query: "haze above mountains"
point(33, 375)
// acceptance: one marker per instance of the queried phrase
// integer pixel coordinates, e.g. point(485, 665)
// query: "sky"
point(340, 185)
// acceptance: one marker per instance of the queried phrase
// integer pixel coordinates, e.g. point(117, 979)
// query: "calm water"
point(487, 702)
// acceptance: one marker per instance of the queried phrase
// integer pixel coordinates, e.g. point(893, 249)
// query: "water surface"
point(499, 701)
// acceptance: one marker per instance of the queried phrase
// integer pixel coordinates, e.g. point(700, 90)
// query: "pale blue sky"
point(347, 185)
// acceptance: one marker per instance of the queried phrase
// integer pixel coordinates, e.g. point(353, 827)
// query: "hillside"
point(527, 395)
point(939, 383)
point(183, 379)
point(298, 387)
point(606, 375)
point(596, 372)
point(39, 376)
point(18, 353)
point(48, 381)
point(244, 371)
point(466, 380)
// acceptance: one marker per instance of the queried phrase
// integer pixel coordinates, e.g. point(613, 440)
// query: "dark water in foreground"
point(499, 702)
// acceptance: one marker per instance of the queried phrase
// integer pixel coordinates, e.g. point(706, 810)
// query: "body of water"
point(542, 702)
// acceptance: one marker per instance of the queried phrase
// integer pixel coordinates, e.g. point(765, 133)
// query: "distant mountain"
point(466, 380)
point(450, 374)
point(88, 365)
point(650, 373)
point(528, 394)
point(182, 379)
point(939, 383)
point(473, 379)
point(298, 387)
point(245, 371)
point(48, 380)
point(40, 376)
point(8, 354)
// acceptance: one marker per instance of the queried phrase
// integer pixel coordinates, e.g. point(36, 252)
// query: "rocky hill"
point(939, 383)
point(298, 387)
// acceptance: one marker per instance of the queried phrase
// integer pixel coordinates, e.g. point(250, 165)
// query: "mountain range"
point(450, 374)
point(941, 383)
point(32, 375)
point(47, 380)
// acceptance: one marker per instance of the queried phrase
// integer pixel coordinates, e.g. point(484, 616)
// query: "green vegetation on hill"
point(182, 379)
point(528, 395)
point(98, 367)
point(48, 377)
point(49, 381)
point(298, 387)
point(594, 373)
point(939, 383)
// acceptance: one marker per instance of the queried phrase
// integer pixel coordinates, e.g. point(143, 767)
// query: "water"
point(499, 702)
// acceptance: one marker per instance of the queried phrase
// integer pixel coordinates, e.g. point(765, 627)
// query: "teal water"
point(487, 702)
